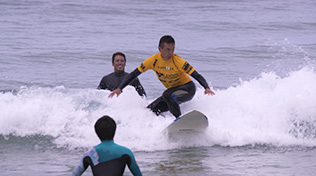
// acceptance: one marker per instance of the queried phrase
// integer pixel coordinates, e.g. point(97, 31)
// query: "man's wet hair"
point(166, 39)
point(118, 53)
point(105, 128)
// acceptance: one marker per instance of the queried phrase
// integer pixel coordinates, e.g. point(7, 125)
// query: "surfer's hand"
point(208, 92)
point(117, 91)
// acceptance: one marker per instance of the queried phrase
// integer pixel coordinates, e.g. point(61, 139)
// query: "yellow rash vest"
point(171, 73)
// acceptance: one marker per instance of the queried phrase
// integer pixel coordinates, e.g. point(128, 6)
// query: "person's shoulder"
point(155, 56)
point(90, 152)
point(123, 148)
point(177, 56)
point(148, 63)
point(108, 75)
point(179, 59)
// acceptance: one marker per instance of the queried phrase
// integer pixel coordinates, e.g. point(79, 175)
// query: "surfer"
point(173, 73)
point(113, 80)
point(107, 158)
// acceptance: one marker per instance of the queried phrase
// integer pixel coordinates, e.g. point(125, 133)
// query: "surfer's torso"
point(172, 73)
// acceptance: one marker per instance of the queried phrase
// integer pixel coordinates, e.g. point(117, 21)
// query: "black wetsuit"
point(113, 80)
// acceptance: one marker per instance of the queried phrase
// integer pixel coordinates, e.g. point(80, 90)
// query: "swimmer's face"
point(119, 63)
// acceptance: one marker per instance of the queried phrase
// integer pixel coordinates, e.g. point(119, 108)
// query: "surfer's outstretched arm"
point(117, 91)
point(203, 82)
point(125, 82)
point(208, 91)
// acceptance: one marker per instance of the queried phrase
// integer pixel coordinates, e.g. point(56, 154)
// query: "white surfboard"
point(193, 121)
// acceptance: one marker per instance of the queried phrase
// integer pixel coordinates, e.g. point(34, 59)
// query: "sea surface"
point(259, 57)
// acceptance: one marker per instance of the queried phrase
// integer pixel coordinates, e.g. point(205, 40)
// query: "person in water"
point(113, 80)
point(173, 73)
point(107, 158)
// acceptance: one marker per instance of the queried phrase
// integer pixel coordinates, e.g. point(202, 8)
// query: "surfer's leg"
point(158, 106)
point(187, 95)
point(174, 96)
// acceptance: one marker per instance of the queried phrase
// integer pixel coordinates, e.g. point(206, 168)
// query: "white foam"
point(265, 110)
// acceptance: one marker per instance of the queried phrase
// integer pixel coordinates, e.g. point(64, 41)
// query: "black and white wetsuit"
point(113, 80)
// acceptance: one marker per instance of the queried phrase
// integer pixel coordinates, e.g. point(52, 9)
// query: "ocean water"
point(258, 56)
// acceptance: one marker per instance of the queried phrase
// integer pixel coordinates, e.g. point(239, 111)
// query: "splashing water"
point(265, 110)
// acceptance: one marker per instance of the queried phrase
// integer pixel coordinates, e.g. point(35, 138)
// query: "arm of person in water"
point(83, 165)
point(125, 82)
point(138, 86)
point(203, 82)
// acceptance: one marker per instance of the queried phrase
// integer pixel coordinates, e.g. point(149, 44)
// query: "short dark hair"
point(166, 39)
point(118, 53)
point(105, 128)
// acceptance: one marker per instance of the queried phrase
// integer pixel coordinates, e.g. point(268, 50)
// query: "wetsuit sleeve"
point(139, 88)
point(133, 167)
point(129, 78)
point(82, 166)
point(200, 79)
